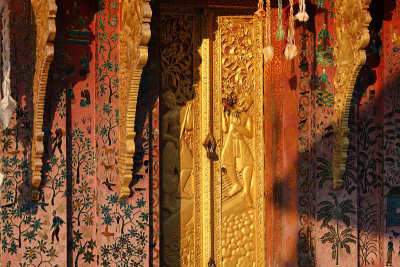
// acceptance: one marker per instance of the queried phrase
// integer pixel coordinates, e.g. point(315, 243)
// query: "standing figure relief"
point(236, 156)
point(177, 159)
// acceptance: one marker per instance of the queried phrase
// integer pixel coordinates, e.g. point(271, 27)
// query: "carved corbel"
point(352, 20)
point(44, 12)
point(135, 35)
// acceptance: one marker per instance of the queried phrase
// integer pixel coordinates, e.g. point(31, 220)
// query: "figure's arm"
point(248, 131)
point(164, 133)
point(319, 35)
point(189, 119)
point(225, 122)
point(330, 37)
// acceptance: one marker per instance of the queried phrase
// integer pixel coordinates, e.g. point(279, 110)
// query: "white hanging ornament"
point(268, 53)
point(290, 51)
point(302, 15)
point(7, 104)
point(291, 48)
point(268, 50)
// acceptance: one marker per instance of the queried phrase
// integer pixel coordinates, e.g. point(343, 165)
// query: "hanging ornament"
point(291, 48)
point(268, 50)
point(260, 9)
point(280, 33)
point(7, 104)
point(302, 15)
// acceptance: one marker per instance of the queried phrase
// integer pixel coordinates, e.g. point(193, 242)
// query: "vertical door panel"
point(239, 208)
point(180, 136)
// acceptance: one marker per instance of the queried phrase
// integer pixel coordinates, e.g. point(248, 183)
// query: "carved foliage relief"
point(44, 16)
point(177, 55)
point(352, 20)
point(238, 123)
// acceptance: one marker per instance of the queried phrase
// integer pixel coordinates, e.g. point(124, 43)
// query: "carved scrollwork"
point(135, 35)
point(45, 27)
point(352, 21)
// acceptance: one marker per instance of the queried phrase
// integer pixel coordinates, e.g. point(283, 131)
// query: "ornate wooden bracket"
point(135, 35)
point(352, 20)
point(44, 13)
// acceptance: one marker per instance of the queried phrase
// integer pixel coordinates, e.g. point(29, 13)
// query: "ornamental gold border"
point(44, 26)
point(135, 35)
point(352, 20)
point(259, 147)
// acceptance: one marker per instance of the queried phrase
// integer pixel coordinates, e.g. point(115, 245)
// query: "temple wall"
point(79, 220)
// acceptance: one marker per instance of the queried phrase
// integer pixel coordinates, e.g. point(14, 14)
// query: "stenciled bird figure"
point(108, 184)
point(395, 234)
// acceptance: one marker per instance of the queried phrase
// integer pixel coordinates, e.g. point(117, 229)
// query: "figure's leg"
point(247, 178)
point(59, 148)
point(52, 237)
point(184, 178)
point(57, 232)
point(236, 186)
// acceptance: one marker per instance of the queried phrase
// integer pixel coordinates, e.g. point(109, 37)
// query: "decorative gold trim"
point(44, 13)
point(352, 20)
point(206, 128)
point(135, 35)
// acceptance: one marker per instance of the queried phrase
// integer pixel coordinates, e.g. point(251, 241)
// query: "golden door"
point(212, 151)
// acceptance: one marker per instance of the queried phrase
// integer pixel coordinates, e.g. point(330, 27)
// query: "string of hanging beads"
point(291, 48)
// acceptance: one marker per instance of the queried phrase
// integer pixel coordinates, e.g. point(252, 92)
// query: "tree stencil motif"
point(368, 236)
point(325, 173)
point(56, 174)
point(133, 222)
point(331, 214)
point(108, 42)
point(82, 153)
point(108, 123)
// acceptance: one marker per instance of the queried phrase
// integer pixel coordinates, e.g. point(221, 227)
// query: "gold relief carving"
point(135, 35)
point(180, 133)
point(177, 170)
point(44, 12)
point(239, 206)
point(177, 56)
point(352, 20)
point(236, 156)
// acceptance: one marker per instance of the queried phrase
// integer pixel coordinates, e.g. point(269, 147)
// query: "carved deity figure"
point(236, 155)
point(176, 157)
